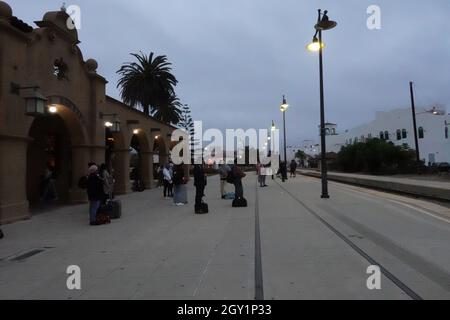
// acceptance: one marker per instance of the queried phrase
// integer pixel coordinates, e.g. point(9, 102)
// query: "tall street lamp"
point(323, 24)
point(284, 106)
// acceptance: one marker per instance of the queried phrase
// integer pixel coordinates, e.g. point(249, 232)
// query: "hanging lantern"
point(35, 104)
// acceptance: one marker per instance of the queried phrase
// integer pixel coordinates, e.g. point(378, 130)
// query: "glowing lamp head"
point(284, 106)
point(52, 109)
point(109, 124)
point(136, 131)
point(315, 45)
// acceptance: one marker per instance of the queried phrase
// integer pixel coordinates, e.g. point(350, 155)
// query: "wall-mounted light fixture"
point(114, 124)
point(35, 102)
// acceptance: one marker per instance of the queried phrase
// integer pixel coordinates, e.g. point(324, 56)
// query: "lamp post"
point(284, 106)
point(323, 24)
point(272, 146)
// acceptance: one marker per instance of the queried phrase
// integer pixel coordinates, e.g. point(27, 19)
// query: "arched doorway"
point(58, 141)
point(50, 148)
point(160, 154)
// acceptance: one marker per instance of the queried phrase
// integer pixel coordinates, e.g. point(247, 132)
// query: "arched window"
point(446, 132)
point(421, 133)
point(382, 135)
point(404, 134)
point(399, 134)
point(386, 135)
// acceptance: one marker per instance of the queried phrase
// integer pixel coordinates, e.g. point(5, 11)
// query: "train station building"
point(54, 110)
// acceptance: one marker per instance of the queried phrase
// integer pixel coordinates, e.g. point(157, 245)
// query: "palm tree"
point(147, 82)
point(169, 111)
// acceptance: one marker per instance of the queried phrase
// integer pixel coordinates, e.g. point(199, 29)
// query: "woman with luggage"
point(107, 183)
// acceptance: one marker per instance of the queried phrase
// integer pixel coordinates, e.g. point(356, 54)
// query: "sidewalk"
point(423, 188)
point(156, 251)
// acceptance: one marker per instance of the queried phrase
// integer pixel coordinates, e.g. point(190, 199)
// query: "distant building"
point(396, 126)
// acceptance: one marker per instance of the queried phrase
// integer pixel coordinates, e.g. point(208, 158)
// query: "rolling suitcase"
point(115, 208)
point(239, 203)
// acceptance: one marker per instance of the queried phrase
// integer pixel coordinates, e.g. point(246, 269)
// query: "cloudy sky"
point(235, 58)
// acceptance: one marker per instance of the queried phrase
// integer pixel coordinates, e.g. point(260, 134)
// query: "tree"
point(187, 124)
point(301, 155)
point(169, 112)
point(147, 83)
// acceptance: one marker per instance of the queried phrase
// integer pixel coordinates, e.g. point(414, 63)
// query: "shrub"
point(377, 157)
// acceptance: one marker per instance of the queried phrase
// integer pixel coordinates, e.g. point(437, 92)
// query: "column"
point(13, 181)
point(147, 169)
point(121, 166)
point(80, 160)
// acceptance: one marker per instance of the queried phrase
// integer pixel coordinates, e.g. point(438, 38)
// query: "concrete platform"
point(160, 251)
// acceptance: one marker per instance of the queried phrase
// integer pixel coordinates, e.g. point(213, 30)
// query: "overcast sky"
point(235, 58)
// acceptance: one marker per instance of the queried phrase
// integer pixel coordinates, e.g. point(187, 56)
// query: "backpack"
point(230, 176)
point(83, 182)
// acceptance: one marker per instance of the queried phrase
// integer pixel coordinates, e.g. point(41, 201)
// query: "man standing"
point(95, 194)
point(283, 171)
point(167, 181)
point(224, 170)
point(293, 168)
point(200, 184)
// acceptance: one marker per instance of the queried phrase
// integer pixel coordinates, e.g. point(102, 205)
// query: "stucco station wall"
point(48, 56)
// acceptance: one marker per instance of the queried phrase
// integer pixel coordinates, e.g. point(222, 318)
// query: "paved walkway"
point(310, 248)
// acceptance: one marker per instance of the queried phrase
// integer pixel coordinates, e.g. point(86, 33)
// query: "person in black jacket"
point(200, 184)
point(95, 193)
point(283, 171)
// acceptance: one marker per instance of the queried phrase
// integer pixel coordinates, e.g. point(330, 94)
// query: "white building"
point(433, 125)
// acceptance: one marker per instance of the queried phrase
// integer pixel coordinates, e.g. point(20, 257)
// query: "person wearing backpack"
point(238, 175)
point(224, 171)
point(95, 193)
